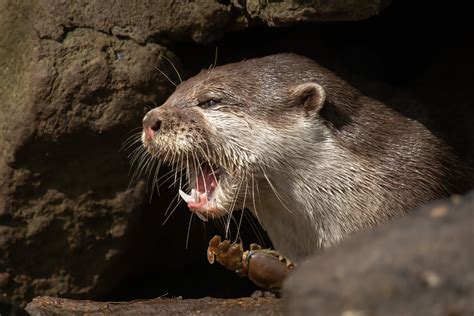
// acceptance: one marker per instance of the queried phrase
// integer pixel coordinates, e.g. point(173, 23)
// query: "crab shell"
point(266, 268)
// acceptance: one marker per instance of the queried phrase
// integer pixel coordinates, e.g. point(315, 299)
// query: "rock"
point(67, 107)
point(280, 13)
point(421, 264)
point(202, 21)
point(143, 21)
point(45, 306)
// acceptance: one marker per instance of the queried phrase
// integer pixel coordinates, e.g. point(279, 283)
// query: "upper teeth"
point(194, 196)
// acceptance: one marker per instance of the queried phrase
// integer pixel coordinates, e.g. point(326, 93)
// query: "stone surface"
point(280, 13)
point(67, 107)
point(202, 21)
point(49, 306)
point(421, 264)
point(143, 21)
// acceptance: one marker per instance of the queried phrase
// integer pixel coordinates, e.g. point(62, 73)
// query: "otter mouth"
point(204, 182)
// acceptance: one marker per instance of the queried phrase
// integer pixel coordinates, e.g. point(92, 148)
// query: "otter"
point(313, 158)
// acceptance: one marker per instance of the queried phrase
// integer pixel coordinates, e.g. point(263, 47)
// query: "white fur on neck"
point(319, 189)
point(312, 175)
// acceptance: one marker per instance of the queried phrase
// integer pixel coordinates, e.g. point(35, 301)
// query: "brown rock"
point(280, 13)
point(46, 306)
point(421, 264)
point(202, 20)
point(67, 107)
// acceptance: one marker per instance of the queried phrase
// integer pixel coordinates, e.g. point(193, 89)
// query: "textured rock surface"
point(419, 265)
point(46, 306)
point(68, 105)
point(201, 20)
point(278, 13)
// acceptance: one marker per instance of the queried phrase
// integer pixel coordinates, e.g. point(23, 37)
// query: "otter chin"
point(313, 158)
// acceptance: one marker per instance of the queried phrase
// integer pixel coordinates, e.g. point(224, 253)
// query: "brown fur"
point(338, 160)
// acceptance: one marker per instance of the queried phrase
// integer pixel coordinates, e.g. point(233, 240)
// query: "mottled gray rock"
point(422, 264)
point(49, 306)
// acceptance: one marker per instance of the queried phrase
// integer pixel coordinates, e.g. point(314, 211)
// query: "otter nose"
point(151, 123)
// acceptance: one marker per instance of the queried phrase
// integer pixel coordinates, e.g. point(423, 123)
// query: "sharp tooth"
point(201, 216)
point(187, 198)
point(195, 195)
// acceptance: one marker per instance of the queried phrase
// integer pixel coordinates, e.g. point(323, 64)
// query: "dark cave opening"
point(418, 49)
point(169, 258)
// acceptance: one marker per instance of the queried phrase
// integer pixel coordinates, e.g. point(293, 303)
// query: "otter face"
point(222, 133)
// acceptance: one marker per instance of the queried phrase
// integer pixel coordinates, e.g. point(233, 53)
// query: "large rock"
point(142, 21)
point(202, 21)
point(67, 107)
point(421, 264)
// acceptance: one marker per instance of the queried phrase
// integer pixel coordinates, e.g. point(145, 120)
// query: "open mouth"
point(203, 183)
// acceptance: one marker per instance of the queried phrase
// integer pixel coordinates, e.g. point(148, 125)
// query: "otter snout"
point(152, 123)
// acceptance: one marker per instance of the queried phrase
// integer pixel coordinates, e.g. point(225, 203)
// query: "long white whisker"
point(231, 210)
point(171, 81)
point(242, 214)
point(154, 183)
point(189, 229)
point(255, 186)
point(172, 65)
point(276, 193)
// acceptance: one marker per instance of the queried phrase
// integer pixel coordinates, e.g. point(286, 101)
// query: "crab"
point(266, 268)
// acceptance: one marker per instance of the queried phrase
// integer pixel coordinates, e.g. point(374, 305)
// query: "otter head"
point(229, 128)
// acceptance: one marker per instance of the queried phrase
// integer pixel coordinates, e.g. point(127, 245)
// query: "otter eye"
point(208, 103)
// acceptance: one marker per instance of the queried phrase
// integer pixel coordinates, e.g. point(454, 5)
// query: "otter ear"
point(310, 96)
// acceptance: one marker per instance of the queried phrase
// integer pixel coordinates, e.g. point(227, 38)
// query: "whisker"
point(255, 229)
point(171, 81)
point(168, 175)
point(144, 162)
point(233, 205)
point(172, 65)
point(143, 158)
point(131, 144)
point(175, 199)
point(255, 186)
point(149, 170)
point(215, 57)
point(181, 171)
point(154, 183)
point(208, 162)
point(189, 229)
point(276, 193)
point(132, 139)
point(241, 214)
